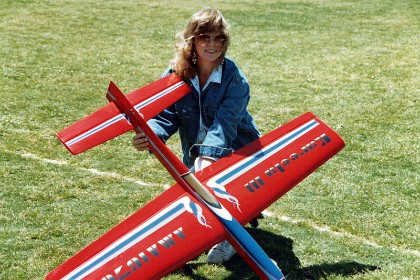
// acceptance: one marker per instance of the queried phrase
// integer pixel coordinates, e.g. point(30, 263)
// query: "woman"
point(213, 119)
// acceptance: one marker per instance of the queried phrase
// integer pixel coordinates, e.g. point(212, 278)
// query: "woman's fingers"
point(140, 142)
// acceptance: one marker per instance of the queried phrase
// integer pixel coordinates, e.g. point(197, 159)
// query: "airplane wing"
point(173, 229)
point(149, 244)
point(257, 175)
point(107, 122)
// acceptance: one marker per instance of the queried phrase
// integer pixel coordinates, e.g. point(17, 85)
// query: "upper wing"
point(174, 228)
point(107, 122)
point(257, 175)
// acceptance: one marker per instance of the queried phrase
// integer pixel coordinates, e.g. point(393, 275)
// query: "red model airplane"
point(201, 209)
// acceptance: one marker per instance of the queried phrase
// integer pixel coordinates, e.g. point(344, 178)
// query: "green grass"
point(355, 64)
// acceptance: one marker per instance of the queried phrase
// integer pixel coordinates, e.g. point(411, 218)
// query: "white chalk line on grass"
point(90, 170)
point(340, 233)
point(266, 213)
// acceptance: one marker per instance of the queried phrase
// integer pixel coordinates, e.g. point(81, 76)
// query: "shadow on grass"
point(280, 249)
point(321, 271)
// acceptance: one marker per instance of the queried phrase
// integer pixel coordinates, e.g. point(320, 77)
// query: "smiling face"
point(202, 45)
point(209, 47)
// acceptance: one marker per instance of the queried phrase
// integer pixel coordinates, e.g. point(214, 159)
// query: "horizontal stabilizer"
point(107, 122)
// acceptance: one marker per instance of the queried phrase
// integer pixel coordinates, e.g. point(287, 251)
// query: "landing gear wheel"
point(254, 222)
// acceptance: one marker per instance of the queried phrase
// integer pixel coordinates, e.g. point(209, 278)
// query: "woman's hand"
point(140, 142)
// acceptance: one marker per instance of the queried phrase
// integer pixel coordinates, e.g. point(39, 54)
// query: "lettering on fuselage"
point(281, 166)
point(142, 258)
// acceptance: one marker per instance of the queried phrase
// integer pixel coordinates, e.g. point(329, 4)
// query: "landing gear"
point(254, 222)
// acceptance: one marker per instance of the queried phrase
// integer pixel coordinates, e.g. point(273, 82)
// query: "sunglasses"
point(204, 40)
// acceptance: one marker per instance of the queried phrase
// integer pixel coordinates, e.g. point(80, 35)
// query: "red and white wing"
point(107, 122)
point(257, 175)
point(160, 237)
point(174, 228)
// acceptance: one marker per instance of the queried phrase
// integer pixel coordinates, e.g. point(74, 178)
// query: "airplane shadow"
point(280, 249)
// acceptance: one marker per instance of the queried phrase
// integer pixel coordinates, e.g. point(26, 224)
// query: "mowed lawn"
point(355, 64)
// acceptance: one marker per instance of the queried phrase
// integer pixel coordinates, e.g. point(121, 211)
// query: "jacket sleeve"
point(165, 124)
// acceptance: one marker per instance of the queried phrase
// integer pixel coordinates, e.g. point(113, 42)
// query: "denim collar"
point(215, 77)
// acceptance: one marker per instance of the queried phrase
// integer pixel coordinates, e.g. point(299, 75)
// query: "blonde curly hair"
point(204, 21)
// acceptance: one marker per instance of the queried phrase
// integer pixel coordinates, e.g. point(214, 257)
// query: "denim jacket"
point(224, 115)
